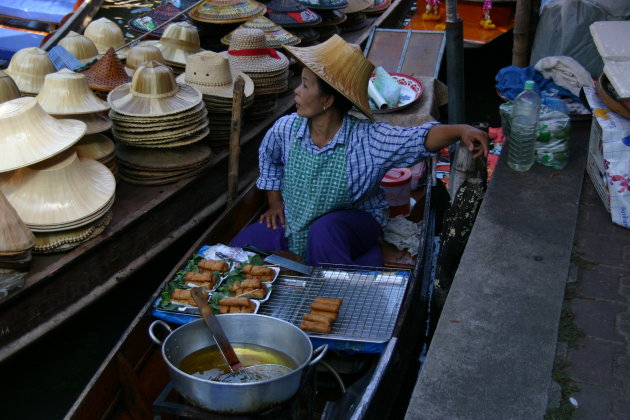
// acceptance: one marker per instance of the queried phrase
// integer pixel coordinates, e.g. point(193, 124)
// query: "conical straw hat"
point(211, 74)
point(341, 66)
point(276, 36)
point(178, 41)
point(67, 239)
point(291, 13)
point(15, 236)
point(250, 53)
point(95, 146)
point(94, 123)
point(67, 92)
point(357, 6)
point(60, 190)
point(107, 73)
point(152, 92)
point(81, 47)
point(140, 54)
point(227, 11)
point(28, 67)
point(8, 88)
point(30, 135)
point(106, 34)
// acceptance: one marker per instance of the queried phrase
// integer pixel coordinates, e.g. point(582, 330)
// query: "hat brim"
point(258, 63)
point(123, 101)
point(226, 91)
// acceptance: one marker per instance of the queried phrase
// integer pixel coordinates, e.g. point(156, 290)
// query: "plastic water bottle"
point(524, 128)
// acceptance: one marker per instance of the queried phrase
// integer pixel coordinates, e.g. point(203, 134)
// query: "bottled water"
point(524, 128)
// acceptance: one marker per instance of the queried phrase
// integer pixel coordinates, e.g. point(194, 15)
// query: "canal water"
point(43, 381)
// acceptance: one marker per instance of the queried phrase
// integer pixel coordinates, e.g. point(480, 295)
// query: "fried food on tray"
point(184, 296)
point(331, 301)
point(212, 265)
point(234, 301)
point(318, 318)
point(258, 270)
point(325, 307)
point(252, 284)
point(205, 277)
point(330, 315)
point(315, 327)
point(231, 305)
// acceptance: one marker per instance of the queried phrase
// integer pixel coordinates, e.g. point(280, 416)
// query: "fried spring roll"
point(326, 307)
point(255, 293)
point(234, 301)
point(261, 278)
point(331, 315)
point(221, 266)
point(224, 309)
point(257, 270)
point(318, 318)
point(329, 300)
point(252, 283)
point(191, 276)
point(315, 327)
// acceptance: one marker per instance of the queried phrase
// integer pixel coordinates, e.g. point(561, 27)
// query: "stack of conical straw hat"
point(356, 17)
point(179, 40)
point(276, 36)
point(53, 191)
point(16, 239)
point(210, 73)
point(100, 148)
point(8, 88)
point(106, 34)
point(227, 11)
point(291, 14)
point(28, 67)
point(66, 95)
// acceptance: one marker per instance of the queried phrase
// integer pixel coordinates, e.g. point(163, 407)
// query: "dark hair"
point(342, 103)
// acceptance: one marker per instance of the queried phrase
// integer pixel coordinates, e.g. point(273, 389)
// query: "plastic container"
point(552, 99)
point(397, 186)
point(417, 171)
point(524, 128)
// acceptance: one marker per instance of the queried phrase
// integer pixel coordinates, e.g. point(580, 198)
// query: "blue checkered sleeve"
point(271, 154)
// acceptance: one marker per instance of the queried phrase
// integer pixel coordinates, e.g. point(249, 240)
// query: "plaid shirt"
point(373, 149)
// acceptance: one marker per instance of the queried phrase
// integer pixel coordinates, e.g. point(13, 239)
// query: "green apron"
point(314, 184)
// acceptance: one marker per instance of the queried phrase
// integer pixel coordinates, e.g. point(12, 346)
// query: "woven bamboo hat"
point(67, 92)
point(67, 239)
point(355, 6)
point(107, 73)
point(227, 11)
point(30, 135)
point(8, 88)
point(140, 54)
point(106, 34)
point(325, 4)
point(249, 52)
point(276, 36)
point(28, 67)
point(152, 92)
point(94, 123)
point(341, 66)
point(60, 193)
point(291, 14)
point(80, 46)
point(211, 74)
point(15, 236)
point(179, 40)
point(95, 146)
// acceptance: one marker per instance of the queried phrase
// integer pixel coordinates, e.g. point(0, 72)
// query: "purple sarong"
point(340, 237)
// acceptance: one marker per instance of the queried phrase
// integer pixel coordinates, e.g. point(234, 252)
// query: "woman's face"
point(309, 100)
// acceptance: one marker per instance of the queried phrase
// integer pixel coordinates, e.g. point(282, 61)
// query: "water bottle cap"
point(530, 84)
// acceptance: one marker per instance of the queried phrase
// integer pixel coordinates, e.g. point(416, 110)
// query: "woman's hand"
point(274, 216)
point(475, 140)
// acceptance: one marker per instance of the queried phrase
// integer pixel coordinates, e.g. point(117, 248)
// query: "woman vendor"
point(321, 167)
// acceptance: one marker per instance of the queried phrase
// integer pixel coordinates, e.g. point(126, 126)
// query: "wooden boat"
point(134, 374)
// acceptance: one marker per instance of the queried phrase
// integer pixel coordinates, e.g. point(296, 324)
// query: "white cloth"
point(565, 72)
point(404, 234)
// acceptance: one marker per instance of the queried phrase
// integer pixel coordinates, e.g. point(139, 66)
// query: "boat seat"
point(49, 11)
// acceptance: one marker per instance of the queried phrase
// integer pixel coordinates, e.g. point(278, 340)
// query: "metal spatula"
point(238, 373)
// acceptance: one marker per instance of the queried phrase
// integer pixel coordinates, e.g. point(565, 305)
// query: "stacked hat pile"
point(8, 88)
point(210, 73)
point(268, 68)
point(107, 34)
point(65, 200)
point(28, 68)
point(179, 40)
point(331, 13)
point(106, 74)
point(297, 17)
point(355, 13)
point(379, 7)
point(154, 111)
point(141, 54)
point(66, 95)
point(16, 241)
point(276, 36)
point(148, 21)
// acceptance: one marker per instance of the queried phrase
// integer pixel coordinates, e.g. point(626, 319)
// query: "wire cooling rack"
point(371, 300)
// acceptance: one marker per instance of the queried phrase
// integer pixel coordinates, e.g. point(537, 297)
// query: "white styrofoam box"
point(618, 72)
point(610, 146)
point(611, 39)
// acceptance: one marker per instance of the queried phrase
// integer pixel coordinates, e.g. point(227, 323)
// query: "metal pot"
point(240, 328)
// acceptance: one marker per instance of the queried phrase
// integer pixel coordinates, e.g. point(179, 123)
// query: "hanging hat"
point(227, 11)
point(291, 13)
point(15, 236)
point(211, 74)
point(8, 88)
point(153, 91)
point(106, 34)
point(276, 36)
point(355, 6)
point(107, 73)
point(67, 92)
point(60, 193)
point(28, 67)
point(249, 52)
point(341, 66)
point(94, 123)
point(148, 21)
point(30, 135)
point(81, 47)
point(179, 40)
point(140, 54)
point(324, 4)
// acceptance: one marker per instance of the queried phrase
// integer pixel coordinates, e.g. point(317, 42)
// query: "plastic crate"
point(595, 164)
